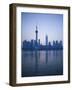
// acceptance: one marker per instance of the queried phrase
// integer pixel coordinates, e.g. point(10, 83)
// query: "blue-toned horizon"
point(48, 24)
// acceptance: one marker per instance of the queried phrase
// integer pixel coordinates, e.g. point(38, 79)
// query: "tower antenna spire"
point(36, 27)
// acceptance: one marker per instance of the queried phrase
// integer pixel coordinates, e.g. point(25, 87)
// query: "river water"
point(42, 63)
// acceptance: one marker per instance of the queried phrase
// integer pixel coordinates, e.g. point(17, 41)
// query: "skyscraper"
point(39, 41)
point(46, 40)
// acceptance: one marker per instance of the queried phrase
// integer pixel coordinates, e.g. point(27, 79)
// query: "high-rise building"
point(46, 40)
point(54, 43)
point(39, 41)
point(61, 43)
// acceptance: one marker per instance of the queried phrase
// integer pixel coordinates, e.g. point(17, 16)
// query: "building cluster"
point(36, 44)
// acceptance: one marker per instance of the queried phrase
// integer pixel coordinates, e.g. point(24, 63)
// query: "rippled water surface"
point(42, 63)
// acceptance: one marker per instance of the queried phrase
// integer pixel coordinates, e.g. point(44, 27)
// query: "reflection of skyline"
point(48, 24)
point(42, 63)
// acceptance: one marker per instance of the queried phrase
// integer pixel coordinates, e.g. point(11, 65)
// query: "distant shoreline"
point(41, 49)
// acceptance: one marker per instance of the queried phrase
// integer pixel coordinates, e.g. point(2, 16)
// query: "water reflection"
point(38, 63)
point(46, 57)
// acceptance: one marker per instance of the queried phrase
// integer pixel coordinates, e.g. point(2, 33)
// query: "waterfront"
point(42, 63)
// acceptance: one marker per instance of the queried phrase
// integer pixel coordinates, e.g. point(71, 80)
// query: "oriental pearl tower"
point(36, 34)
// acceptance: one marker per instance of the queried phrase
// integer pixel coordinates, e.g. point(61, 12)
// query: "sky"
point(48, 24)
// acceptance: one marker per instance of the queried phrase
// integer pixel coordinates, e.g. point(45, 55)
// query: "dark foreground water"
point(42, 63)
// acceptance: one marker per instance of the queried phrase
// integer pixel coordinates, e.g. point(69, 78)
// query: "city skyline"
point(35, 44)
point(50, 25)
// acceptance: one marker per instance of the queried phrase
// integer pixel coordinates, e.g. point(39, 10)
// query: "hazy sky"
point(48, 24)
